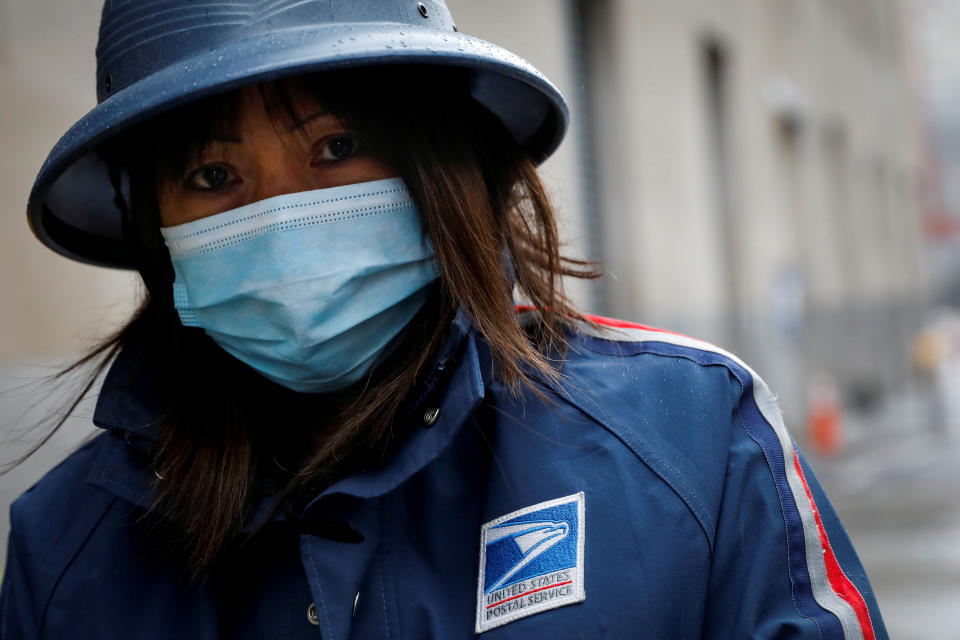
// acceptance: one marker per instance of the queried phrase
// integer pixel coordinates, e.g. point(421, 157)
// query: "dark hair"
point(492, 227)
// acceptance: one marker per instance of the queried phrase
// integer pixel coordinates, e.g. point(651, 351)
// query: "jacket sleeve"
point(783, 566)
point(18, 611)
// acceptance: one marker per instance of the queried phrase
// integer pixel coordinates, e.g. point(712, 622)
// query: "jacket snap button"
point(430, 417)
point(312, 616)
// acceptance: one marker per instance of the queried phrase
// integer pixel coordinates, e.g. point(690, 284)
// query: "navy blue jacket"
point(654, 494)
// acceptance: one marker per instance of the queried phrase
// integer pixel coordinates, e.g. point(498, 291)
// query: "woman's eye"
point(339, 147)
point(210, 178)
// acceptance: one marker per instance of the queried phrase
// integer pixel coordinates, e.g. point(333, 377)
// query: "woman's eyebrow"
point(299, 124)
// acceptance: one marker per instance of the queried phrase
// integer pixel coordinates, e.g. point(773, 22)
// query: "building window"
point(715, 64)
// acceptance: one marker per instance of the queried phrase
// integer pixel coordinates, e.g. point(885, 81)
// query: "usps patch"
point(531, 561)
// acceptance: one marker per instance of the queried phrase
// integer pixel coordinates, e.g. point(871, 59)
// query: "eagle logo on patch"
point(531, 561)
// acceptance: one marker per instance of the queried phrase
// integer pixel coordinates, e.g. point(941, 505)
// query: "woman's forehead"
point(288, 105)
point(289, 102)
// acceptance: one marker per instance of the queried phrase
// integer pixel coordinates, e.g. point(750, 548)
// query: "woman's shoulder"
point(63, 490)
point(684, 393)
point(77, 542)
point(51, 520)
point(628, 364)
point(678, 404)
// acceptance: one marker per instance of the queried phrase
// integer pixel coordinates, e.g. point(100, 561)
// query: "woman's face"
point(268, 152)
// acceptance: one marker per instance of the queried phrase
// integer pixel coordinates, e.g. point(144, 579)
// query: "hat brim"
point(71, 207)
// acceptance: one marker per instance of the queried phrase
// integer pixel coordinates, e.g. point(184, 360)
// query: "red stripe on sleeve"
point(623, 324)
point(607, 322)
point(838, 579)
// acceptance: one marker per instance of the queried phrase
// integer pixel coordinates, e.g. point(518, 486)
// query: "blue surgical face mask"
point(307, 288)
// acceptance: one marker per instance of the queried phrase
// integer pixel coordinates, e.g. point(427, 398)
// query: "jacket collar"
point(455, 384)
point(450, 393)
point(128, 403)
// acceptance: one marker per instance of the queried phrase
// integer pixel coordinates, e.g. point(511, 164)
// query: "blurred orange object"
point(825, 419)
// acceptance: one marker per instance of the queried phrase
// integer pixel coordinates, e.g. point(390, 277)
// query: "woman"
point(329, 415)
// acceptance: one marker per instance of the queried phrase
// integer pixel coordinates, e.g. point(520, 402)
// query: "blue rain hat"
point(153, 56)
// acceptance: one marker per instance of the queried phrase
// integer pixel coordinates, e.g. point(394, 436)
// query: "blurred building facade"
point(744, 170)
point(935, 62)
point(755, 166)
point(51, 308)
